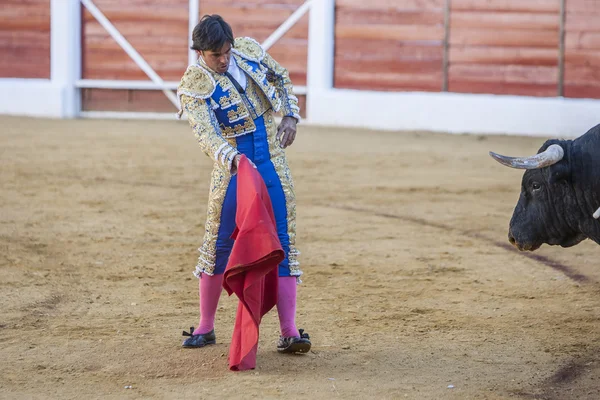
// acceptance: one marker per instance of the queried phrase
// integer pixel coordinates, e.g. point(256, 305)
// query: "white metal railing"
point(156, 82)
point(122, 84)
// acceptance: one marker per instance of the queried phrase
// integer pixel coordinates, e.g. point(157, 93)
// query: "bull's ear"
point(559, 172)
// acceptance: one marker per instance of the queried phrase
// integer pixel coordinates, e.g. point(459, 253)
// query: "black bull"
point(560, 193)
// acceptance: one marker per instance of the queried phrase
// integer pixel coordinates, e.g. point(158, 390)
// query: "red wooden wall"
point(494, 46)
point(389, 45)
point(504, 47)
point(582, 49)
point(25, 39)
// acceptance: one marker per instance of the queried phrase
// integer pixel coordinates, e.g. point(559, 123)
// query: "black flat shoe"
point(199, 340)
point(294, 344)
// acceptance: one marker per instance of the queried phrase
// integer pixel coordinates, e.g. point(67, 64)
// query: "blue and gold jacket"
point(216, 110)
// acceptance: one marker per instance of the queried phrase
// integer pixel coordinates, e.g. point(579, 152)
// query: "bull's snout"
point(512, 240)
point(522, 246)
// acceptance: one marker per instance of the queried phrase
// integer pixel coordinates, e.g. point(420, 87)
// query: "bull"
point(559, 202)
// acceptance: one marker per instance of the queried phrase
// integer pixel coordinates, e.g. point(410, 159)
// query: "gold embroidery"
point(237, 114)
point(204, 125)
point(229, 100)
point(282, 169)
point(284, 86)
point(224, 82)
point(197, 83)
point(226, 131)
point(260, 79)
point(237, 130)
point(249, 47)
point(208, 251)
point(257, 98)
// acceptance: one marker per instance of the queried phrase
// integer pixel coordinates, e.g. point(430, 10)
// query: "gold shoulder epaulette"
point(248, 48)
point(197, 82)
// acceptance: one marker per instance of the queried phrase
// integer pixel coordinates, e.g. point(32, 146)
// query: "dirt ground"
point(410, 290)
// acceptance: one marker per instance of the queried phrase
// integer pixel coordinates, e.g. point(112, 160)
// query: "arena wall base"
point(57, 97)
point(33, 97)
point(453, 112)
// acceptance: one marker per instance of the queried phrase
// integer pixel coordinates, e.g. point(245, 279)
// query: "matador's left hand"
point(286, 131)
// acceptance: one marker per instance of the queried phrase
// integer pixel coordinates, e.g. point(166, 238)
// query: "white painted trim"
point(33, 97)
point(65, 54)
point(321, 36)
point(300, 90)
point(130, 115)
point(128, 48)
point(123, 84)
point(454, 112)
point(194, 15)
point(286, 25)
point(140, 115)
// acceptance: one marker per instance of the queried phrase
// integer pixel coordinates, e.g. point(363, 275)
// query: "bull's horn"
point(553, 154)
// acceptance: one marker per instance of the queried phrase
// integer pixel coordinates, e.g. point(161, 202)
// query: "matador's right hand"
point(236, 163)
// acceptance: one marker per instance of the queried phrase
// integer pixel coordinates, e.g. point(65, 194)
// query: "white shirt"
point(234, 70)
point(237, 73)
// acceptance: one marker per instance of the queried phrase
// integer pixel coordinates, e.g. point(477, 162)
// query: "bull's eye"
point(536, 186)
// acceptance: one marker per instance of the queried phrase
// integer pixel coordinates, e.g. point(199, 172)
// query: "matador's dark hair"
point(211, 34)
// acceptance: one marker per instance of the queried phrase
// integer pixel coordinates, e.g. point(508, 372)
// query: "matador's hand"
point(236, 163)
point(286, 131)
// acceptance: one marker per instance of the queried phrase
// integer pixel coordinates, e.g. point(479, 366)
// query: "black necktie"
point(238, 87)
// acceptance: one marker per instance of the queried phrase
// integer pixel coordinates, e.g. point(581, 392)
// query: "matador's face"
point(218, 61)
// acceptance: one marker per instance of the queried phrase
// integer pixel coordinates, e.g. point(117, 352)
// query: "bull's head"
point(547, 206)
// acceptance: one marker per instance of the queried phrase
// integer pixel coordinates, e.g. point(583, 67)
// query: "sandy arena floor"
point(410, 285)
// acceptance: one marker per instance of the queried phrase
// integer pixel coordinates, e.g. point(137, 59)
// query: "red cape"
point(252, 270)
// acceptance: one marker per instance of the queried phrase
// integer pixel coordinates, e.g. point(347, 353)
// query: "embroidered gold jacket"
point(217, 112)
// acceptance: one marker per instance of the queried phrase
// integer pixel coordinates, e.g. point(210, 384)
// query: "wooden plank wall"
point(389, 45)
point(494, 46)
point(582, 49)
point(504, 47)
point(25, 39)
point(158, 29)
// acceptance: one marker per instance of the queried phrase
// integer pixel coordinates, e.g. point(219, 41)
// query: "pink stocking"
point(286, 306)
point(210, 291)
